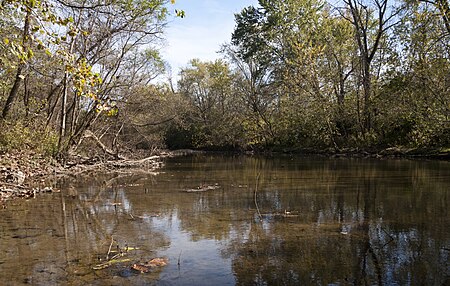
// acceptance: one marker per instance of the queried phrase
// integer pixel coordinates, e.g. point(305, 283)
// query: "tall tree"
point(110, 39)
point(215, 117)
point(371, 21)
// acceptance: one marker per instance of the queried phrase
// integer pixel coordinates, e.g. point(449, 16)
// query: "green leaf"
point(180, 13)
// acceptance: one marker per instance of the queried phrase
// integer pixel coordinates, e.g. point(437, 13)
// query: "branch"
point(90, 134)
point(154, 123)
point(74, 6)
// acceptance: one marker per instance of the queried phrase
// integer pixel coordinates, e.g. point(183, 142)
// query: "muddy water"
point(316, 221)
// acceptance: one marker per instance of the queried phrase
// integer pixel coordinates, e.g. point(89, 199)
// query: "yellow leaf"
point(172, 1)
point(6, 41)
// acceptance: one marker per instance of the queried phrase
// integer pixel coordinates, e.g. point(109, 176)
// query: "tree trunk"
point(62, 132)
point(14, 90)
point(360, 19)
point(367, 86)
point(19, 76)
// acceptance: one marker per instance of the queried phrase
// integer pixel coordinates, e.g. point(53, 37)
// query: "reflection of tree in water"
point(359, 222)
point(398, 242)
point(289, 254)
point(73, 231)
point(362, 237)
point(368, 270)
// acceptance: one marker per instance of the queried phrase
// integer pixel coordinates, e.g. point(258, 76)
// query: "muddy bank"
point(26, 174)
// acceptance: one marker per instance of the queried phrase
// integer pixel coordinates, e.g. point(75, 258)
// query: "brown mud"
point(26, 174)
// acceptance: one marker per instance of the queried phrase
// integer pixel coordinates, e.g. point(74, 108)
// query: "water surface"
point(314, 221)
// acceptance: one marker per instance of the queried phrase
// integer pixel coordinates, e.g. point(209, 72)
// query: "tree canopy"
point(296, 75)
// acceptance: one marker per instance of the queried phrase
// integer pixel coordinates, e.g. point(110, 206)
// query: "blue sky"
point(207, 25)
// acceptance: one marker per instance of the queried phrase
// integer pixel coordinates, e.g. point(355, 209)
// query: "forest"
point(296, 76)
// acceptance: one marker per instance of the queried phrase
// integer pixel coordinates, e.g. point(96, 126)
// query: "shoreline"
point(25, 174)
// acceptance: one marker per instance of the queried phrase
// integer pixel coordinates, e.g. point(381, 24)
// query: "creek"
point(238, 220)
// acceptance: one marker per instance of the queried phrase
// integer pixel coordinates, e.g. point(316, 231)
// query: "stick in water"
point(110, 246)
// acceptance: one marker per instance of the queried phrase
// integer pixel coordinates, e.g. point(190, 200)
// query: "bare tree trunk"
point(62, 133)
point(26, 97)
point(368, 45)
point(74, 121)
point(62, 130)
point(367, 88)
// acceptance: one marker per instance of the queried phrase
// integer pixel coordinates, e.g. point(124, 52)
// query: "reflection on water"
point(321, 222)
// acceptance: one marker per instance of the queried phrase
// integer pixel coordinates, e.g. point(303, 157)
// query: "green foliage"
point(78, 59)
point(178, 137)
point(28, 135)
point(299, 74)
point(214, 112)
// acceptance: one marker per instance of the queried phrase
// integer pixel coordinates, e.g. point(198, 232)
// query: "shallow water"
point(316, 221)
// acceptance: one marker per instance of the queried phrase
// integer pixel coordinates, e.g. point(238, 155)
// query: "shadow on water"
point(323, 221)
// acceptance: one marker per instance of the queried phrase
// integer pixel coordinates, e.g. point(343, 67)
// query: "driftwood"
point(202, 188)
point(90, 134)
point(80, 165)
point(285, 214)
point(135, 163)
point(12, 180)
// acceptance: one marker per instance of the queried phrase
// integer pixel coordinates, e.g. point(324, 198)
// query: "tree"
point(215, 108)
point(96, 52)
point(306, 55)
point(371, 21)
point(415, 99)
point(21, 46)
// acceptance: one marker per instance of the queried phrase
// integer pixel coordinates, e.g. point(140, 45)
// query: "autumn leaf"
point(141, 268)
point(156, 262)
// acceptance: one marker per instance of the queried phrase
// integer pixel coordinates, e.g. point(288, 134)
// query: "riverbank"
point(392, 152)
point(26, 174)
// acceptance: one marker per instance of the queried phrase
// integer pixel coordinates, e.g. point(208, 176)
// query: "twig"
point(116, 256)
point(110, 246)
point(390, 236)
point(256, 201)
point(179, 258)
